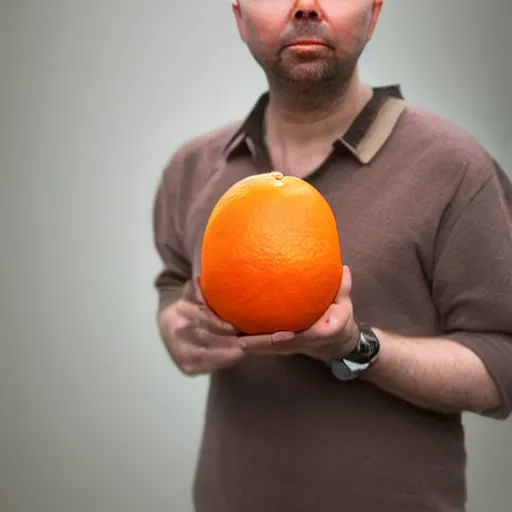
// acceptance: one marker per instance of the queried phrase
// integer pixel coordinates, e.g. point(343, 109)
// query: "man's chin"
point(307, 73)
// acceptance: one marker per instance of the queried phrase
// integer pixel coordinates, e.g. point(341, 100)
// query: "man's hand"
point(335, 334)
point(197, 340)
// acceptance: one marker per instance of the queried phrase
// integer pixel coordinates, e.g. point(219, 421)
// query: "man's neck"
point(289, 125)
point(299, 140)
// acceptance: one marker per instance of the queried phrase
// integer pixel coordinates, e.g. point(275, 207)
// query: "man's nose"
point(307, 10)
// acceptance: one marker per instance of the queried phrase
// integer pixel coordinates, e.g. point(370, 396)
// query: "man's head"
point(308, 43)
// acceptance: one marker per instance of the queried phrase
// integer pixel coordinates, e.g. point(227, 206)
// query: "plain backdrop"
point(95, 96)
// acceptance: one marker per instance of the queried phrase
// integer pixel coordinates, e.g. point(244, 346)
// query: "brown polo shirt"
point(425, 221)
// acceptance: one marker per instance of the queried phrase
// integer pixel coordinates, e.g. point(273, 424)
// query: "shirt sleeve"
point(472, 282)
point(168, 238)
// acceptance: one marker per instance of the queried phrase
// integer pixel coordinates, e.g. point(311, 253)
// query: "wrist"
point(345, 344)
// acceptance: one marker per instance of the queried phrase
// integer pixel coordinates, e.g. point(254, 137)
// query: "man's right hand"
point(196, 339)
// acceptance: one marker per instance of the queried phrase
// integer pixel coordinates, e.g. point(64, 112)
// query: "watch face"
point(359, 360)
point(367, 348)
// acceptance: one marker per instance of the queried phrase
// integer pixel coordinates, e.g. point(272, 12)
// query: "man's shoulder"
point(449, 140)
point(449, 160)
point(446, 141)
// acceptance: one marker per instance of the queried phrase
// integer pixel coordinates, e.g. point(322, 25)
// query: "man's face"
point(307, 41)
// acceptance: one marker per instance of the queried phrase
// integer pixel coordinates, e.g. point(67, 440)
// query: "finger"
point(251, 343)
point(211, 322)
point(345, 285)
point(207, 338)
point(283, 348)
point(201, 316)
point(199, 360)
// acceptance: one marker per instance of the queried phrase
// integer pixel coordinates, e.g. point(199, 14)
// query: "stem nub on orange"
point(271, 258)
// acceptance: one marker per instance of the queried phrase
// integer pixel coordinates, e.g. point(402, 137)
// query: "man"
point(362, 412)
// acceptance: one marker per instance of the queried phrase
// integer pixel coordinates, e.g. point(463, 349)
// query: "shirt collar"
point(364, 138)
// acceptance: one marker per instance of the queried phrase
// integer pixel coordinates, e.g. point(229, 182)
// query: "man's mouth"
point(308, 42)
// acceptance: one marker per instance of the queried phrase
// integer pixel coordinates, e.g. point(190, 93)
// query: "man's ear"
point(376, 10)
point(237, 11)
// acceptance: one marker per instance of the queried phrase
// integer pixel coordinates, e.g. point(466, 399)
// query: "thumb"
point(336, 318)
point(345, 285)
point(332, 322)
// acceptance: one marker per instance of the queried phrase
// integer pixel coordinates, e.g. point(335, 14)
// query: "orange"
point(271, 258)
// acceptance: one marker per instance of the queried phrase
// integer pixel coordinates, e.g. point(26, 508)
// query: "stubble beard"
point(310, 85)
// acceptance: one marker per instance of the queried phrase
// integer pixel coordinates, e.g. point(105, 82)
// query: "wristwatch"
point(362, 356)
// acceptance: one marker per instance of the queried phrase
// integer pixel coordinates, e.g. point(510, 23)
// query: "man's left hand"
point(335, 334)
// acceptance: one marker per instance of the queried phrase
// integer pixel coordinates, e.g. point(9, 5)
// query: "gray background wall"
point(94, 97)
